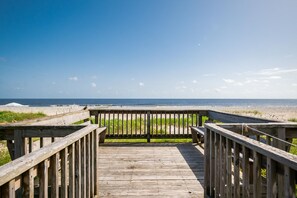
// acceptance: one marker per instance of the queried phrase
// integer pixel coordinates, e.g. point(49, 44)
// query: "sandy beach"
point(268, 112)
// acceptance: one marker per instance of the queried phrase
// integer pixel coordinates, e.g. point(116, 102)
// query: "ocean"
point(154, 102)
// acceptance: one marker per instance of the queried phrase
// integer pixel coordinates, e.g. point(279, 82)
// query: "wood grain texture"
point(151, 170)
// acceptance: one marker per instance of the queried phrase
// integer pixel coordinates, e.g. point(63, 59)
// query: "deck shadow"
point(195, 160)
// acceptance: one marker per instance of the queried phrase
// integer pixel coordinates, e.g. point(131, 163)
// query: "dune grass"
point(292, 119)
point(10, 117)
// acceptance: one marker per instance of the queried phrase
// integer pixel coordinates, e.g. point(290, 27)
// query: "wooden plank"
point(236, 170)
point(271, 178)
point(64, 173)
point(83, 166)
point(43, 179)
point(246, 172)
point(223, 167)
point(228, 168)
point(148, 126)
point(212, 163)
point(96, 173)
point(88, 160)
point(217, 165)
point(71, 170)
point(232, 118)
point(261, 148)
point(8, 189)
point(289, 182)
point(78, 179)
point(19, 144)
point(207, 156)
point(28, 184)
point(20, 165)
point(93, 165)
point(257, 190)
point(54, 175)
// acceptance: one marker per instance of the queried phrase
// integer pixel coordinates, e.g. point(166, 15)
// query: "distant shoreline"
point(154, 102)
point(273, 113)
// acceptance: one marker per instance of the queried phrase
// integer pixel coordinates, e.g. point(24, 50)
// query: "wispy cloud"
point(141, 84)
point(194, 81)
point(73, 78)
point(208, 75)
point(93, 85)
point(272, 77)
point(228, 80)
point(275, 71)
point(294, 84)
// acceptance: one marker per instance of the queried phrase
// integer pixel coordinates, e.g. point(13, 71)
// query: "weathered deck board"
point(150, 170)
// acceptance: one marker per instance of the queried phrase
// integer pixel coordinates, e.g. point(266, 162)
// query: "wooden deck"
point(150, 170)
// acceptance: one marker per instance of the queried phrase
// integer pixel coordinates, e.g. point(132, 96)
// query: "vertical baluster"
point(127, 124)
point(109, 123)
point(104, 119)
point(174, 123)
point(140, 122)
point(192, 119)
point(183, 123)
point(271, 178)
point(207, 162)
point(71, 171)
point(245, 171)
point(289, 182)
point(118, 124)
point(236, 170)
point(178, 117)
point(88, 166)
point(122, 123)
point(223, 165)
point(257, 174)
point(64, 173)
point(135, 123)
point(170, 123)
point(54, 170)
point(131, 124)
point(30, 144)
point(78, 169)
point(100, 120)
point(165, 123)
point(217, 165)
point(144, 124)
point(212, 163)
point(92, 169)
point(28, 183)
point(8, 189)
point(83, 166)
point(43, 179)
point(113, 118)
point(96, 173)
point(187, 123)
point(161, 124)
point(156, 124)
point(229, 168)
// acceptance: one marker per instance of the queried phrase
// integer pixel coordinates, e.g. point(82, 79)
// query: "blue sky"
point(148, 49)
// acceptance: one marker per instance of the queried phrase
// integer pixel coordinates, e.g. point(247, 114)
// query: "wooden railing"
point(65, 168)
point(238, 166)
point(148, 124)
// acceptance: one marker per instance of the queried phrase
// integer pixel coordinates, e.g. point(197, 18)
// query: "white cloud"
point(93, 84)
point(141, 84)
point(228, 80)
point(94, 77)
point(53, 83)
point(275, 71)
point(194, 81)
point(208, 75)
point(73, 78)
point(294, 84)
point(272, 77)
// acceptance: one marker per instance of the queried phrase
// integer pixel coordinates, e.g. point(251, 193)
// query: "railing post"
point(148, 126)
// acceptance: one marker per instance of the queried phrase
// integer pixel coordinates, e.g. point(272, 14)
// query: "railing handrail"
point(276, 154)
point(16, 167)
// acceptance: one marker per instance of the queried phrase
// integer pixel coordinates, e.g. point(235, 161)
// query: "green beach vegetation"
point(10, 117)
point(292, 119)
